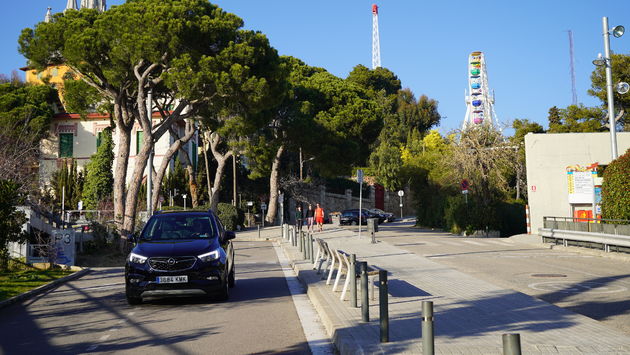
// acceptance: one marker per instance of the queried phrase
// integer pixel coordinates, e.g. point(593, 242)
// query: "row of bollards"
point(511, 342)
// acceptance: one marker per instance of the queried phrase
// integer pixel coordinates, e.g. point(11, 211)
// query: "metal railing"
point(590, 225)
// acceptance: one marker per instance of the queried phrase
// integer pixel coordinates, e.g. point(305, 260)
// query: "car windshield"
point(170, 227)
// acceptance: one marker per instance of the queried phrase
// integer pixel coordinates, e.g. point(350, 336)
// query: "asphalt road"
point(592, 285)
point(91, 315)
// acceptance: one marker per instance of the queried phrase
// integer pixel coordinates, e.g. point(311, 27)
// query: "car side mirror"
point(229, 235)
point(131, 238)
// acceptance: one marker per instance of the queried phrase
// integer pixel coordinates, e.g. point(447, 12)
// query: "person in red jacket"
point(319, 217)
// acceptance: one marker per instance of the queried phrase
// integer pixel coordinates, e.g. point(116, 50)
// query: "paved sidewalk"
point(470, 314)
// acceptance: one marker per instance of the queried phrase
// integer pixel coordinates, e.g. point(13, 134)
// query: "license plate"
point(172, 279)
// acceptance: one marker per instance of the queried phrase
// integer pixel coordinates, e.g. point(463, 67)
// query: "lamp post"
point(617, 31)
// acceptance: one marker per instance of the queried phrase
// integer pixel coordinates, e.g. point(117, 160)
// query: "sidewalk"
point(470, 314)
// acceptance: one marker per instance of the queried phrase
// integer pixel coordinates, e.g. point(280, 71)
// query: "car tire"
point(232, 278)
point(353, 223)
point(133, 301)
point(224, 294)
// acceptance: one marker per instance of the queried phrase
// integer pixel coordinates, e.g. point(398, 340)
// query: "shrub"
point(616, 189)
point(228, 215)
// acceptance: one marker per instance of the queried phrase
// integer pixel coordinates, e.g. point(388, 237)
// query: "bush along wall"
point(229, 216)
point(616, 189)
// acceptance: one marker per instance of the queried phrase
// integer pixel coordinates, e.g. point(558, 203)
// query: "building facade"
point(562, 179)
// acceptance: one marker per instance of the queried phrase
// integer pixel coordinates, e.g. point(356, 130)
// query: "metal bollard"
point(301, 243)
point(312, 247)
point(259, 231)
point(365, 304)
point(373, 237)
point(511, 344)
point(305, 253)
point(427, 328)
point(353, 285)
point(383, 305)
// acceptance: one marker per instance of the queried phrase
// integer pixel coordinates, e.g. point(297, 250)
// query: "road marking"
point(104, 337)
point(472, 242)
point(318, 340)
point(499, 242)
point(580, 287)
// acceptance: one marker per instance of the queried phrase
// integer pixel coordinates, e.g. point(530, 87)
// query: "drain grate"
point(549, 275)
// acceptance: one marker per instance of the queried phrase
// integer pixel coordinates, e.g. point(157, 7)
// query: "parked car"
point(385, 216)
point(180, 253)
point(351, 217)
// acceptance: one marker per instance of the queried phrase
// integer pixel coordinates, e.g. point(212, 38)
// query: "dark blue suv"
point(183, 253)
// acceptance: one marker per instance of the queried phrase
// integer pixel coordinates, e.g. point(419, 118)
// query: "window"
point(139, 138)
point(65, 145)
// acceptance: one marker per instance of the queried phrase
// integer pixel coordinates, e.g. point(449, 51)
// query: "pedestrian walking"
point(310, 214)
point(299, 218)
point(319, 217)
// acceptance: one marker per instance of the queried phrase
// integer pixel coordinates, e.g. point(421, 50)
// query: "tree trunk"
point(124, 124)
point(192, 183)
point(205, 156)
point(273, 186)
point(221, 159)
point(170, 152)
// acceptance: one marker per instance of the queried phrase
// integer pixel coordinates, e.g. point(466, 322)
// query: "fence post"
point(365, 303)
point(353, 285)
point(511, 344)
point(427, 328)
point(383, 305)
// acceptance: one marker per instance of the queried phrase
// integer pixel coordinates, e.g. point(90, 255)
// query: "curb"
point(29, 294)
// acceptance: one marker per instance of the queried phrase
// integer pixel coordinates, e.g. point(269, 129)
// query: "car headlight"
point(137, 259)
point(207, 257)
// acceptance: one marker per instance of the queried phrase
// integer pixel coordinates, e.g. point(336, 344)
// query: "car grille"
point(172, 263)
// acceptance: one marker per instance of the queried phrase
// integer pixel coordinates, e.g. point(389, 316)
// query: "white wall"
point(547, 156)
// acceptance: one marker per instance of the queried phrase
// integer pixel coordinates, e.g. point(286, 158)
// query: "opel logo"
point(171, 261)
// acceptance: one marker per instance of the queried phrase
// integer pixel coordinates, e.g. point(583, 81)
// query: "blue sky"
point(426, 43)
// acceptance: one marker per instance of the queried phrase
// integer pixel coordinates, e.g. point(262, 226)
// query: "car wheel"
point(353, 223)
point(231, 278)
point(132, 299)
point(224, 294)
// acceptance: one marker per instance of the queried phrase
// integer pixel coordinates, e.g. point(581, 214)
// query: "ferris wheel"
point(479, 100)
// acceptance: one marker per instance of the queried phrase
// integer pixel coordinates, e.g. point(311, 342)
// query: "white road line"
point(314, 331)
point(104, 337)
point(498, 242)
point(448, 242)
point(472, 242)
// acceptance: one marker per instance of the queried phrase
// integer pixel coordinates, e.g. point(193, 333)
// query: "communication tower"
point(479, 101)
point(376, 45)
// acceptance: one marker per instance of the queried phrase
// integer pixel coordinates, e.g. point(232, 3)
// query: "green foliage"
point(11, 219)
point(616, 189)
point(81, 98)
point(99, 180)
point(386, 164)
point(70, 179)
point(229, 216)
point(26, 109)
point(522, 127)
point(175, 180)
point(375, 80)
point(620, 72)
point(506, 217)
point(577, 118)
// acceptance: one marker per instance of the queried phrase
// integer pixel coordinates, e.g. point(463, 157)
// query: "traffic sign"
point(263, 206)
point(359, 175)
point(401, 193)
point(465, 185)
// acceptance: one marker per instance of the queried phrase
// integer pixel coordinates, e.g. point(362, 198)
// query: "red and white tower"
point(376, 45)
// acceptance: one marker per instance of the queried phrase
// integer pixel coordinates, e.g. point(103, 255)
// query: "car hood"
point(189, 247)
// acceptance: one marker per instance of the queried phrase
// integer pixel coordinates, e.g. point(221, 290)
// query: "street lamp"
point(617, 32)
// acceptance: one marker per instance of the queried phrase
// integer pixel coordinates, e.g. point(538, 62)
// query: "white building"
point(559, 181)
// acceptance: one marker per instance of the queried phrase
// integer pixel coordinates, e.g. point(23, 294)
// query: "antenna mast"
point(572, 68)
point(376, 45)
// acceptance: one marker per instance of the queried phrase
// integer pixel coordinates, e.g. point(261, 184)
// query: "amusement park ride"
point(479, 101)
